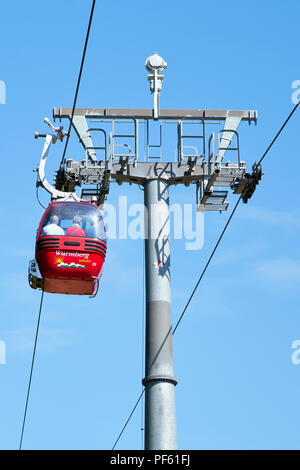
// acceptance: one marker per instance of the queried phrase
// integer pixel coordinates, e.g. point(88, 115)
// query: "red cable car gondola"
point(70, 249)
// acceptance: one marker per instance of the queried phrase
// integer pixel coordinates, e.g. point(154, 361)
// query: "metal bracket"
point(159, 378)
point(123, 161)
point(192, 161)
point(208, 173)
point(231, 124)
point(247, 185)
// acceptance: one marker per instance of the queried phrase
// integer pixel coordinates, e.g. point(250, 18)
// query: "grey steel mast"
point(159, 382)
point(117, 157)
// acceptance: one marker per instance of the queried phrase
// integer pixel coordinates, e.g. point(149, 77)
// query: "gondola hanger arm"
point(59, 133)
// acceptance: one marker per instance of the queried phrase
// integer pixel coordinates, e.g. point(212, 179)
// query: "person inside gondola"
point(75, 230)
point(53, 228)
point(92, 229)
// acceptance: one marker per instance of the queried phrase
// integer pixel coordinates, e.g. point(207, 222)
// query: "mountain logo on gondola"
point(62, 264)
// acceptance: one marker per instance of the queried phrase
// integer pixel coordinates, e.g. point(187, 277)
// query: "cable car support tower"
point(113, 154)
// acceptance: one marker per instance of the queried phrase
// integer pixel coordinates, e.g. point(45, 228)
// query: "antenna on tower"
point(155, 65)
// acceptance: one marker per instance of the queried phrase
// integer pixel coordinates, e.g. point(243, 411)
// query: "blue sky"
point(237, 386)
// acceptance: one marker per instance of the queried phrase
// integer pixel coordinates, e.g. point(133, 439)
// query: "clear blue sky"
point(237, 386)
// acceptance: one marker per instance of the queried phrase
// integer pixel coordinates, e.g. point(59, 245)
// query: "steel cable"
point(79, 79)
point(31, 371)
